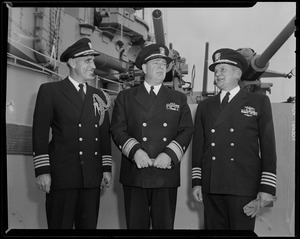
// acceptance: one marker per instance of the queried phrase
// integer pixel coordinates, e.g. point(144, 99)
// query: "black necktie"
point(225, 100)
point(81, 92)
point(152, 94)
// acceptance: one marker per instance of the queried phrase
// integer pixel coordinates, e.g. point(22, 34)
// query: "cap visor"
point(168, 59)
point(87, 53)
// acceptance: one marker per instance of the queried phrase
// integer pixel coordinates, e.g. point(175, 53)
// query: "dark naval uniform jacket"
point(164, 126)
point(233, 151)
point(80, 147)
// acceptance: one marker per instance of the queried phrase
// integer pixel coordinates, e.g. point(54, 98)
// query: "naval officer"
point(233, 152)
point(152, 126)
point(76, 163)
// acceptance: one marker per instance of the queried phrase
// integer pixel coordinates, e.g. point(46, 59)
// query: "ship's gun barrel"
point(260, 63)
point(158, 27)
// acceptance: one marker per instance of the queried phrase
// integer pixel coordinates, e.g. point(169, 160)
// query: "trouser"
point(73, 207)
point(225, 212)
point(146, 207)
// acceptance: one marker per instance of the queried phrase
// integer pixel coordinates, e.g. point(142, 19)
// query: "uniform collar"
point(76, 84)
point(233, 92)
point(148, 86)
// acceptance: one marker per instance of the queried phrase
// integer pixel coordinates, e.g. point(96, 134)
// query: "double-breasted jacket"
point(233, 150)
point(79, 150)
point(162, 126)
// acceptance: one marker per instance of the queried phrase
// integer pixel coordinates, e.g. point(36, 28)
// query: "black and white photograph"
point(145, 120)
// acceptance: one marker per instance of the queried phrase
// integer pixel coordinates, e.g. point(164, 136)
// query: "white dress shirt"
point(233, 92)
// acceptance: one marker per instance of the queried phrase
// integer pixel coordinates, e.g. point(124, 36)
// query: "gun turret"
point(158, 27)
point(258, 64)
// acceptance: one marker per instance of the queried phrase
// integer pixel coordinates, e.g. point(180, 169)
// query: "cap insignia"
point(162, 51)
point(217, 56)
point(90, 45)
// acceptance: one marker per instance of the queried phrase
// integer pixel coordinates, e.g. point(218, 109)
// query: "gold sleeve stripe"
point(41, 161)
point(268, 179)
point(128, 146)
point(176, 149)
point(107, 160)
point(196, 173)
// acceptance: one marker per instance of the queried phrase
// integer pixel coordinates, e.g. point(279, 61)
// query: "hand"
point(252, 208)
point(266, 198)
point(263, 199)
point(142, 159)
point(162, 161)
point(197, 194)
point(43, 182)
point(106, 180)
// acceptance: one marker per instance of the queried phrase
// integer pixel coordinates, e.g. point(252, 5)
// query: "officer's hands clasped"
point(162, 161)
point(142, 160)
